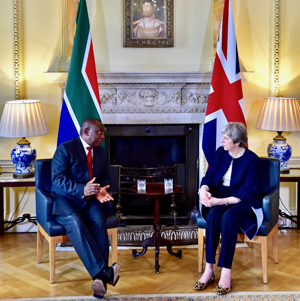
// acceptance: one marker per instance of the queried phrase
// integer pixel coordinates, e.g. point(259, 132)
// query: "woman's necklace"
point(239, 154)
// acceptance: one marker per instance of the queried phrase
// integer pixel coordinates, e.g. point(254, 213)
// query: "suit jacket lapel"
point(96, 161)
point(222, 169)
point(96, 157)
point(80, 150)
point(82, 155)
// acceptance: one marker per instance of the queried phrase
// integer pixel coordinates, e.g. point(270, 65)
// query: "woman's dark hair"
point(237, 132)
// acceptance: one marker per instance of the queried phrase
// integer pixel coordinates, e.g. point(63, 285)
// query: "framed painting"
point(148, 23)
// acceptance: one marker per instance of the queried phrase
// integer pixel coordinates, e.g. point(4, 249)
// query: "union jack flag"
point(225, 102)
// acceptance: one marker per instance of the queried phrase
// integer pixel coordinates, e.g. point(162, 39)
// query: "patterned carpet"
point(236, 296)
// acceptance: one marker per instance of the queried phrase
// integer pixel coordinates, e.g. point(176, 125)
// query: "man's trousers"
point(87, 232)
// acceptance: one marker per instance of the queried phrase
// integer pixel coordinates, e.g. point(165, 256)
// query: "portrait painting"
point(148, 23)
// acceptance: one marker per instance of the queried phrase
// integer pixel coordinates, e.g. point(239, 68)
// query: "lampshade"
point(23, 118)
point(279, 114)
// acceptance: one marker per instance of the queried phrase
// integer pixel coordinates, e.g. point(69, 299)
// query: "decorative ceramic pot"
point(23, 157)
point(281, 150)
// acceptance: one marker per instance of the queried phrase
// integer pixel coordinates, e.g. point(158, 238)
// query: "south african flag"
point(81, 97)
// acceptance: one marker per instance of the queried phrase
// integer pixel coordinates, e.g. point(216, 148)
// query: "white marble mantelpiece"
point(149, 98)
point(137, 77)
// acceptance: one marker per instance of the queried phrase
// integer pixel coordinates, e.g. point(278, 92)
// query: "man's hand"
point(103, 196)
point(91, 188)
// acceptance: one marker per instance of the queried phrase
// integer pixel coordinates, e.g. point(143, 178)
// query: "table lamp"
point(23, 118)
point(279, 114)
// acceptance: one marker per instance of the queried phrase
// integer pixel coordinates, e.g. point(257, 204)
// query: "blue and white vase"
point(281, 150)
point(23, 157)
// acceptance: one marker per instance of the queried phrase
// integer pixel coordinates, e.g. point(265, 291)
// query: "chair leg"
point(275, 245)
point(40, 240)
point(200, 249)
point(219, 247)
point(113, 233)
point(52, 257)
point(264, 257)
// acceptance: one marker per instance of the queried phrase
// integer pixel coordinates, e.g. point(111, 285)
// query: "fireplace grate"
point(141, 206)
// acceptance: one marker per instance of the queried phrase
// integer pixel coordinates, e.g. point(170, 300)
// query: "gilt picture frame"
point(148, 23)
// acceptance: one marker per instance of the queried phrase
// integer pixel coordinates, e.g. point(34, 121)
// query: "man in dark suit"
point(80, 179)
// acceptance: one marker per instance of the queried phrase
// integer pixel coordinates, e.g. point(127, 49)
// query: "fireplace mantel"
point(150, 98)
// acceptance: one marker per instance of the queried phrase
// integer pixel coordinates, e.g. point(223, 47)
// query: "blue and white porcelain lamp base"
point(281, 150)
point(23, 157)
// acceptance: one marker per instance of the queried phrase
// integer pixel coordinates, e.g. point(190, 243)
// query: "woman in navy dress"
point(230, 199)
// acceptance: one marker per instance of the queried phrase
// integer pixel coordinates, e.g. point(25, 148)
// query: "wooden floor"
point(21, 276)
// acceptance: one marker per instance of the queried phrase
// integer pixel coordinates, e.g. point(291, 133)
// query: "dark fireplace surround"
point(151, 146)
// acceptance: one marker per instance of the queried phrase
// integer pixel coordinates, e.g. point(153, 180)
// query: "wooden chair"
point(270, 176)
point(47, 227)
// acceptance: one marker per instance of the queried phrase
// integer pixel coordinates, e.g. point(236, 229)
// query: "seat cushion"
point(112, 222)
point(264, 229)
point(53, 228)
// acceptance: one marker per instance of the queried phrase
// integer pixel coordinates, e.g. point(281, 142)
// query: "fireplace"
point(167, 150)
point(162, 112)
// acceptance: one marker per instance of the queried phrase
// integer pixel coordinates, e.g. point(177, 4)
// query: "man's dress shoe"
point(99, 288)
point(111, 275)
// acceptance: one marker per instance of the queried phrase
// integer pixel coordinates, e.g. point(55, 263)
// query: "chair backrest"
point(269, 173)
point(269, 181)
point(43, 181)
point(43, 174)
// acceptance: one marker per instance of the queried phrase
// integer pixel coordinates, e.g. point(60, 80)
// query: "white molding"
point(294, 162)
point(60, 78)
point(6, 164)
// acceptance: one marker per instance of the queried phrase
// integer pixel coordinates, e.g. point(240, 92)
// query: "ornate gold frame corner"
point(130, 41)
point(274, 49)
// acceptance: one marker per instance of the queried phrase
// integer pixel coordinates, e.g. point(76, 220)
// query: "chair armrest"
point(270, 206)
point(109, 206)
point(44, 204)
point(201, 223)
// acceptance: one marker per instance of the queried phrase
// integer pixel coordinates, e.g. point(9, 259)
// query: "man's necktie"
point(90, 161)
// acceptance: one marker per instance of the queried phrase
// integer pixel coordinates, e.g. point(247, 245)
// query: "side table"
point(294, 176)
point(156, 190)
point(7, 180)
